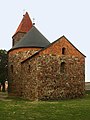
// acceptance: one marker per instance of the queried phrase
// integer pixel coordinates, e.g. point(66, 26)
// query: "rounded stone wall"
point(15, 57)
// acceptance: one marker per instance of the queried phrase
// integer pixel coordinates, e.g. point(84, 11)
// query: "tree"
point(3, 68)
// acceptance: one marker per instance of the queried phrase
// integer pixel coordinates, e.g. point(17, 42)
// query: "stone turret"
point(27, 40)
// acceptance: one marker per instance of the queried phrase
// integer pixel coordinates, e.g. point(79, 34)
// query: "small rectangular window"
point(12, 68)
point(29, 68)
point(62, 67)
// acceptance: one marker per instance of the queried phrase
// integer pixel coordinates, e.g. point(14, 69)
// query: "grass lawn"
point(17, 109)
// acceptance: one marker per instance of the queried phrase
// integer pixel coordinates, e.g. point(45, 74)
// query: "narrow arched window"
point(63, 51)
point(62, 67)
point(12, 68)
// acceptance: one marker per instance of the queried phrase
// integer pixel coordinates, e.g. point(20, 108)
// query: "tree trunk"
point(0, 87)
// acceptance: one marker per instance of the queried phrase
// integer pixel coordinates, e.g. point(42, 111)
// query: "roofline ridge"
point(49, 46)
point(74, 46)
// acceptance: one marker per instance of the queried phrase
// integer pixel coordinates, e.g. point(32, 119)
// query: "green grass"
point(18, 109)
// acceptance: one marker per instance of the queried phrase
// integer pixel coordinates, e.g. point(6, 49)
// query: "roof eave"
point(24, 47)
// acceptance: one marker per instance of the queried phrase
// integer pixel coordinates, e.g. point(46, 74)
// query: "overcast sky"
point(53, 18)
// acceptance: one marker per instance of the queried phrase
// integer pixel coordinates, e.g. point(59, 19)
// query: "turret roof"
point(32, 39)
point(25, 24)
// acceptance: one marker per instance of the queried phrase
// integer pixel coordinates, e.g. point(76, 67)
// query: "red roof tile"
point(25, 24)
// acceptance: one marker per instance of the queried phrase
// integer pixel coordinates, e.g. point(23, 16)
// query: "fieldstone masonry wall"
point(49, 82)
point(15, 59)
point(30, 83)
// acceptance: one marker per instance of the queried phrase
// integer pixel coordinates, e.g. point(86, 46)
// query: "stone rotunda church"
point(40, 70)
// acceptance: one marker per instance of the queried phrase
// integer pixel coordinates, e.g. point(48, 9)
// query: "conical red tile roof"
point(25, 24)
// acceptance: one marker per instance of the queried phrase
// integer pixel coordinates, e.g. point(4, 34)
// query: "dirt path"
point(3, 95)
